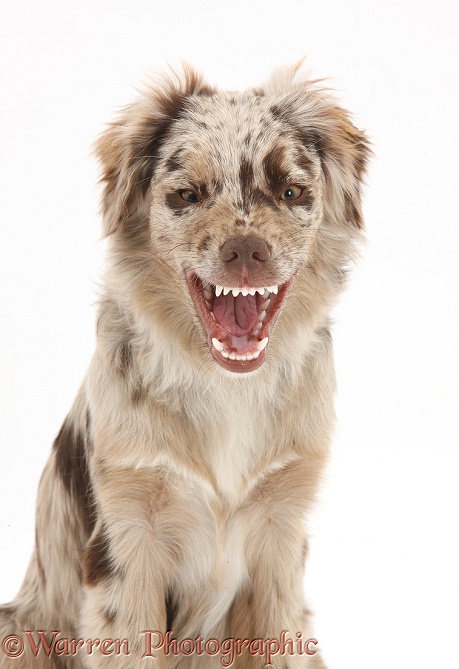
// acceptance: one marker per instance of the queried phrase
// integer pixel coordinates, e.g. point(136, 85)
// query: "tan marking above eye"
point(292, 193)
point(190, 196)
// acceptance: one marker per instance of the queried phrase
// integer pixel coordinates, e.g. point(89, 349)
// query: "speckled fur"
point(176, 491)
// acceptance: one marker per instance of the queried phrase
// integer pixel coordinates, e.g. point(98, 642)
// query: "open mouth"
point(237, 320)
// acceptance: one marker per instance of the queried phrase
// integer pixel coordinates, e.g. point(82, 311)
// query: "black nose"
point(244, 252)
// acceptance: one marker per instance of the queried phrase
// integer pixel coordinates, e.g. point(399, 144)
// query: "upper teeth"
point(245, 291)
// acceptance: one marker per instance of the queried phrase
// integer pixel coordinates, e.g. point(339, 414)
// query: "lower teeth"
point(253, 355)
point(235, 356)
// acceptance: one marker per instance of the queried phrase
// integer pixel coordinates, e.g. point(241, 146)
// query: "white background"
point(383, 572)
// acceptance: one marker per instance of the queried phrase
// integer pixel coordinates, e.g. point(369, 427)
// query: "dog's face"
point(240, 198)
point(231, 190)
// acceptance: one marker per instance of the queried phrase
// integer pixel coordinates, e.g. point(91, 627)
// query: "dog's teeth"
point(244, 291)
point(218, 291)
point(261, 316)
point(225, 354)
point(226, 291)
point(232, 356)
point(272, 289)
point(261, 345)
point(255, 354)
point(217, 344)
point(249, 356)
point(208, 305)
point(260, 290)
point(265, 304)
point(252, 291)
point(236, 292)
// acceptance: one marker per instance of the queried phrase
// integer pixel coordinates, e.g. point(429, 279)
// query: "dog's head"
point(234, 202)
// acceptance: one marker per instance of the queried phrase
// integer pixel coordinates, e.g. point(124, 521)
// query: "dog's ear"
point(324, 127)
point(344, 152)
point(128, 149)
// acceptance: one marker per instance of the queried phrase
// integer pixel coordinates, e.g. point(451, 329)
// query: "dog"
point(171, 513)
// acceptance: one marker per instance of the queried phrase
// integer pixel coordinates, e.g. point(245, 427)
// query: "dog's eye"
point(190, 196)
point(291, 193)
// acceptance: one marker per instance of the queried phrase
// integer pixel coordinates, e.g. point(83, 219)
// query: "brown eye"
point(190, 196)
point(291, 193)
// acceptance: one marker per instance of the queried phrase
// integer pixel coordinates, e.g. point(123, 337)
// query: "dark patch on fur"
point(282, 113)
point(72, 467)
point(316, 140)
point(217, 187)
point(146, 158)
point(277, 112)
point(171, 610)
point(109, 616)
point(352, 213)
point(138, 394)
point(135, 232)
point(177, 204)
point(96, 562)
point(8, 610)
point(246, 178)
point(205, 243)
point(125, 357)
point(304, 162)
point(260, 198)
point(203, 191)
point(361, 158)
point(239, 223)
point(173, 163)
point(274, 171)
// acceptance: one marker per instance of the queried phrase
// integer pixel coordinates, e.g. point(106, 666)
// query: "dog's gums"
point(237, 320)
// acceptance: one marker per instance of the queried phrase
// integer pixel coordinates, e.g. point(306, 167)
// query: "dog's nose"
point(244, 252)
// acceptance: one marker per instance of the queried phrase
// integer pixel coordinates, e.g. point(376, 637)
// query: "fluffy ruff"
point(175, 495)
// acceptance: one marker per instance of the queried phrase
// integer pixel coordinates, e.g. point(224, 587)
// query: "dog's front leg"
point(126, 568)
point(269, 616)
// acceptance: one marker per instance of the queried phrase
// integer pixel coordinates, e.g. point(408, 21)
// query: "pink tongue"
point(238, 314)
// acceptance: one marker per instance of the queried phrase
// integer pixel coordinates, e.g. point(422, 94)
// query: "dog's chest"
point(235, 451)
point(233, 462)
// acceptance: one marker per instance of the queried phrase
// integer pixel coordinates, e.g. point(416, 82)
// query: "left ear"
point(344, 152)
point(324, 127)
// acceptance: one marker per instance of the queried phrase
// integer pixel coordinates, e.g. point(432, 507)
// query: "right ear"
point(128, 150)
